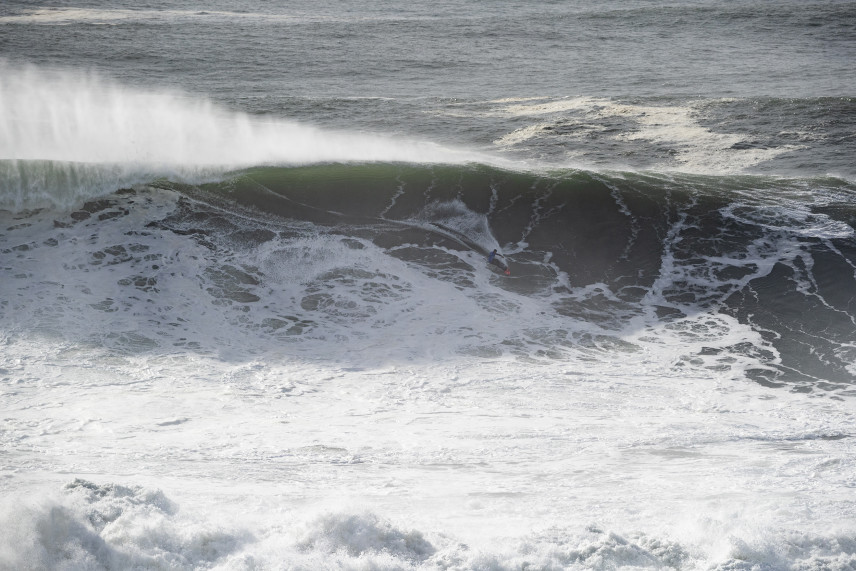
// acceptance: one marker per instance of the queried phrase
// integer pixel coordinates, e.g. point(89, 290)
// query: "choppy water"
point(248, 323)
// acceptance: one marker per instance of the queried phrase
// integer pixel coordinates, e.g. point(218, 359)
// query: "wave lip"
point(91, 128)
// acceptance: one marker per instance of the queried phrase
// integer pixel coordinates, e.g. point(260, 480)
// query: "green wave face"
point(775, 254)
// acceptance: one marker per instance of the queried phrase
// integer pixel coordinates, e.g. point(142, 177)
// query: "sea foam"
point(88, 525)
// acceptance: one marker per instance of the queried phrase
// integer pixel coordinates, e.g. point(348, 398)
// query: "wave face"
point(749, 275)
point(631, 253)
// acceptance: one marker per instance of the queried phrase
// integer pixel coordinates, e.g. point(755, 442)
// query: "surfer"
point(491, 259)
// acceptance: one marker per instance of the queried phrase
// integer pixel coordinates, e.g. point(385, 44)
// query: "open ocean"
point(247, 320)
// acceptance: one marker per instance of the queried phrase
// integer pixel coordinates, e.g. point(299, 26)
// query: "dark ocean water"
point(237, 53)
point(243, 252)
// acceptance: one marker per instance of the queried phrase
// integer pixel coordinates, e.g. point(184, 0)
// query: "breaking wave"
point(66, 137)
point(112, 527)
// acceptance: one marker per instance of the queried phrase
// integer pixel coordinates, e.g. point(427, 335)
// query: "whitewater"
point(247, 320)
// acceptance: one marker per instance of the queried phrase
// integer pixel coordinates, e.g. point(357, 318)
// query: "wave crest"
point(73, 134)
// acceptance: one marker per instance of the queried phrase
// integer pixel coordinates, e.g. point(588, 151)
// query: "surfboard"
point(502, 267)
point(464, 240)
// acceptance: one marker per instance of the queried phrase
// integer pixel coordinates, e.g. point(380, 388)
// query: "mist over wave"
point(68, 136)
